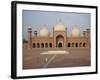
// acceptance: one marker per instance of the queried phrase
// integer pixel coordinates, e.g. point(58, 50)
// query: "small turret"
point(35, 33)
point(88, 32)
point(84, 34)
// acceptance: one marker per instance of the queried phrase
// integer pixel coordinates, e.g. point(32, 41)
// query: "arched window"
point(38, 45)
point(84, 44)
point(46, 45)
point(69, 45)
point(76, 44)
point(50, 45)
point(34, 45)
point(42, 45)
point(72, 44)
point(80, 44)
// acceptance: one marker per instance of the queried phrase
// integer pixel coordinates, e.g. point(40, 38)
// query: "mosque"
point(58, 38)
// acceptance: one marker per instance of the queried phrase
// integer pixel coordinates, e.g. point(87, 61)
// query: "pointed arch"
point(50, 45)
point(42, 45)
point(73, 44)
point(69, 45)
point(46, 45)
point(84, 44)
point(38, 45)
point(80, 44)
point(34, 45)
point(76, 44)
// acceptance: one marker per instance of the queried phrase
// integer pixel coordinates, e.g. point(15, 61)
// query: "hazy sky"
point(37, 19)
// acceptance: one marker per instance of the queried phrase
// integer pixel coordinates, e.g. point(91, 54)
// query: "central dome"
point(60, 27)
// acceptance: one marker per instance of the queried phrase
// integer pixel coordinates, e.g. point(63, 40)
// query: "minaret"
point(29, 37)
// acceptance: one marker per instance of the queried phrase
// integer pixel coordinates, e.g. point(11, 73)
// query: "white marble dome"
point(60, 27)
point(75, 32)
point(44, 32)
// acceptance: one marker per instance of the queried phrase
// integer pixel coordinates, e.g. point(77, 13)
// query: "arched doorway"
point(60, 44)
point(76, 44)
point(46, 45)
point(34, 45)
point(50, 45)
point(38, 45)
point(72, 44)
point(84, 44)
point(69, 45)
point(42, 45)
point(59, 41)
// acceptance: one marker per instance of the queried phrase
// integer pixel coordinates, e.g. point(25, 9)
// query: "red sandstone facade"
point(58, 40)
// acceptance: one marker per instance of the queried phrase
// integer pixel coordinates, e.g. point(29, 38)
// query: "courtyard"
point(55, 57)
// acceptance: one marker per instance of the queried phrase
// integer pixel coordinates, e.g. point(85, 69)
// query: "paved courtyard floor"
point(55, 57)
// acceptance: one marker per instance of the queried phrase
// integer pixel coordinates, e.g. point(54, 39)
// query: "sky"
point(39, 19)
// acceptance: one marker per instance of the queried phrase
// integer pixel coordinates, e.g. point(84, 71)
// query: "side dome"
point(44, 32)
point(75, 32)
point(60, 27)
